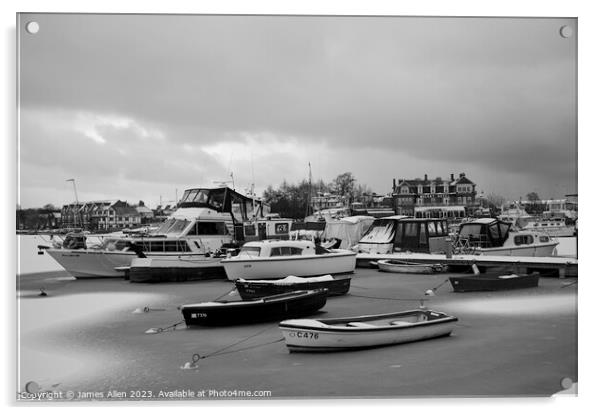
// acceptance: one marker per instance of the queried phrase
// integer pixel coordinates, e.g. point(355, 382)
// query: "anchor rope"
point(196, 357)
point(389, 298)
point(173, 327)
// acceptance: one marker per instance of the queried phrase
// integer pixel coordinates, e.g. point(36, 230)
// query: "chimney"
point(452, 177)
point(394, 185)
point(426, 177)
point(462, 175)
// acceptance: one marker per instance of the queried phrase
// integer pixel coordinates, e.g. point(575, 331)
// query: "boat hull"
point(279, 267)
point(535, 250)
point(153, 270)
point(389, 266)
point(301, 338)
point(245, 312)
point(485, 283)
point(249, 290)
point(96, 263)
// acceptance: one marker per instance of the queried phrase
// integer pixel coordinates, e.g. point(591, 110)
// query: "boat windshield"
point(470, 230)
point(382, 231)
point(249, 251)
point(172, 226)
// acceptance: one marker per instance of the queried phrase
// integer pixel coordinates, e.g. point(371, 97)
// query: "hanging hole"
point(566, 31)
point(32, 27)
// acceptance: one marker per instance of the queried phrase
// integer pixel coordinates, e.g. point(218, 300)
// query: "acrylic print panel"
point(180, 137)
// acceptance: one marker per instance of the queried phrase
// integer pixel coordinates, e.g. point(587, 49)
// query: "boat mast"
point(308, 208)
point(76, 202)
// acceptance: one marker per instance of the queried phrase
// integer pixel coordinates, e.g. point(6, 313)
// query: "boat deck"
point(562, 266)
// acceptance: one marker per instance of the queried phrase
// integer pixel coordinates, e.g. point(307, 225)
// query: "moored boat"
point(276, 307)
point(306, 335)
point(489, 282)
point(206, 220)
point(173, 269)
point(489, 236)
point(406, 267)
point(263, 288)
point(272, 259)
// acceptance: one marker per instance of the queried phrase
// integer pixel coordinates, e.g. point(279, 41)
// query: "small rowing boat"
point(405, 267)
point(275, 307)
point(261, 288)
point(365, 331)
point(488, 282)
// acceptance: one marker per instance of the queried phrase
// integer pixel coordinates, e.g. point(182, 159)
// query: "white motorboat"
point(489, 236)
point(556, 227)
point(205, 221)
point(271, 259)
point(306, 335)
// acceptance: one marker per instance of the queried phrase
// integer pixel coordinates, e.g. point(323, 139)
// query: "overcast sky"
point(135, 107)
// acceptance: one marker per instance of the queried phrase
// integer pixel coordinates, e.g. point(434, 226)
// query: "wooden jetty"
point(560, 266)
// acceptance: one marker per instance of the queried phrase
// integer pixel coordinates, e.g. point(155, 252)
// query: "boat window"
point(249, 251)
point(209, 228)
point(156, 246)
point(183, 246)
point(189, 196)
point(275, 252)
point(444, 227)
point(471, 229)
point(201, 196)
point(423, 233)
point(216, 200)
point(411, 229)
point(285, 250)
point(504, 228)
point(432, 228)
point(165, 226)
point(544, 239)
point(179, 226)
point(250, 230)
point(171, 246)
point(495, 231)
point(523, 239)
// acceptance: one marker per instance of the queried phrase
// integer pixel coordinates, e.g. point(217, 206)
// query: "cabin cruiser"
point(403, 233)
point(271, 259)
point(490, 236)
point(205, 222)
point(554, 226)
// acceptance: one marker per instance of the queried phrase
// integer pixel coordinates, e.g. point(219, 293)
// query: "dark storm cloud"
point(483, 92)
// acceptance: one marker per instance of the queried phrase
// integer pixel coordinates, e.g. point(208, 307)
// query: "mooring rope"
point(162, 329)
point(196, 357)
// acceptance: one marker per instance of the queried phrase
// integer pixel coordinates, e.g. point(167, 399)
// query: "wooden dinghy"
point(276, 307)
point(494, 282)
point(405, 267)
point(365, 331)
point(249, 290)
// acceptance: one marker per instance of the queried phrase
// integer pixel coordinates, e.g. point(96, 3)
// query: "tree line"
point(292, 200)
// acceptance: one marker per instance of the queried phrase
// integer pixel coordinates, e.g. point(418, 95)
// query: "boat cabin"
point(277, 248)
point(403, 233)
point(485, 233)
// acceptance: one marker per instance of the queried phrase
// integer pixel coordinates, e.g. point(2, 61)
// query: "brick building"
point(435, 198)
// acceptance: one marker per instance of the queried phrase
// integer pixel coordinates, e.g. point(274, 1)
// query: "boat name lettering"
point(198, 315)
point(247, 266)
point(304, 334)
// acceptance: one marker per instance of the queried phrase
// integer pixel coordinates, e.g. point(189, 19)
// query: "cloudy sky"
point(135, 107)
